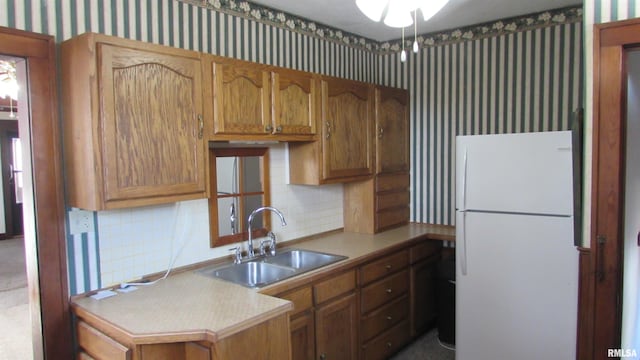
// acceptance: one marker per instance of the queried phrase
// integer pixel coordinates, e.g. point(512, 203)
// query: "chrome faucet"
point(250, 252)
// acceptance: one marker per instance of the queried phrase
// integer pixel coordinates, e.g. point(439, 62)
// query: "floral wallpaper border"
point(307, 27)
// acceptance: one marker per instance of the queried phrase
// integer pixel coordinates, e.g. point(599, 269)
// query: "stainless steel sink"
point(263, 271)
point(303, 259)
point(251, 274)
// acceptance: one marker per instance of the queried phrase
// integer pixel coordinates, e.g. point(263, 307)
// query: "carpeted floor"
point(426, 347)
point(15, 323)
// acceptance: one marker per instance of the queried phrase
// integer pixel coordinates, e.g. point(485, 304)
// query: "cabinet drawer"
point(301, 298)
point(384, 318)
point(378, 293)
point(392, 182)
point(99, 345)
point(388, 343)
point(392, 200)
point(424, 250)
point(391, 217)
point(381, 267)
point(335, 286)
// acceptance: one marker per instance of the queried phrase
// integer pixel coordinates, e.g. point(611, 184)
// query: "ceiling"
point(345, 15)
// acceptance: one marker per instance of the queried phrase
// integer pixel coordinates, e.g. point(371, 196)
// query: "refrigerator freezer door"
point(518, 299)
point(523, 173)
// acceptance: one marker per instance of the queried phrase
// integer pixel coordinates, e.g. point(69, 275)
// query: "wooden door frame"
point(602, 320)
point(46, 258)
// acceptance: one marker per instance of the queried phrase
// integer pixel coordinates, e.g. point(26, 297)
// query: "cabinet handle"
point(328, 130)
point(268, 128)
point(380, 132)
point(388, 267)
point(389, 291)
point(200, 126)
point(279, 128)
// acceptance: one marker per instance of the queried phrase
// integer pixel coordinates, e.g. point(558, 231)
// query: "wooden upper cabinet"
point(295, 102)
point(250, 101)
point(344, 149)
point(392, 130)
point(346, 130)
point(241, 97)
point(133, 123)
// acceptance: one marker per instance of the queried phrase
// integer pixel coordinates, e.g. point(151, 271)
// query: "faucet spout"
point(250, 252)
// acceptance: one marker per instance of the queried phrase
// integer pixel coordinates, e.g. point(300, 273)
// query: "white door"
point(630, 301)
point(524, 173)
point(516, 287)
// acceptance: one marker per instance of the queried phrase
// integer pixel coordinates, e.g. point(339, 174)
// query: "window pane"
point(225, 224)
point(252, 173)
point(251, 203)
point(227, 175)
point(17, 168)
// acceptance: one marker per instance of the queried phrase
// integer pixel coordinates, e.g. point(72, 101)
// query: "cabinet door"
point(392, 130)
point(241, 98)
point(151, 109)
point(423, 298)
point(347, 127)
point(303, 337)
point(336, 329)
point(295, 97)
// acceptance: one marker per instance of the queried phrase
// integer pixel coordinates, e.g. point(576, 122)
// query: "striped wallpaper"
point(519, 82)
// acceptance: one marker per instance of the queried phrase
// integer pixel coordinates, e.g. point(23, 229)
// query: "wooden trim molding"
point(601, 275)
point(46, 254)
point(584, 344)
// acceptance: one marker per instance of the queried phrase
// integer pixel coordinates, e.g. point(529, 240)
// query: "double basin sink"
point(264, 271)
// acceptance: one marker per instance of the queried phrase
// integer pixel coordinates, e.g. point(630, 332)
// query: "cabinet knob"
point(279, 128)
point(389, 318)
point(389, 291)
point(388, 267)
point(323, 356)
point(268, 128)
point(389, 344)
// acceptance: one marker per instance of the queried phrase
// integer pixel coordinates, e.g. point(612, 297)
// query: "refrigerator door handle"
point(463, 247)
point(463, 191)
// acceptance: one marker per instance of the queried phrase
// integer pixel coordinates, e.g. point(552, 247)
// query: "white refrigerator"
point(516, 264)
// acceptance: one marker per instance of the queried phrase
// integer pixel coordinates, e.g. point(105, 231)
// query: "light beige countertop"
point(192, 307)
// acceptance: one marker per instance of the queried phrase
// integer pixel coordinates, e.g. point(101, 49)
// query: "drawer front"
point(383, 291)
point(99, 345)
point(424, 250)
point(391, 217)
point(384, 266)
point(335, 286)
point(301, 298)
point(392, 182)
point(388, 343)
point(384, 318)
point(392, 200)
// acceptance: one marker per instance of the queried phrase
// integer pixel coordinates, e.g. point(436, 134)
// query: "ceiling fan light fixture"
point(373, 9)
point(398, 14)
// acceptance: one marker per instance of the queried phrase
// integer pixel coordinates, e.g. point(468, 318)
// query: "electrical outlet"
point(80, 221)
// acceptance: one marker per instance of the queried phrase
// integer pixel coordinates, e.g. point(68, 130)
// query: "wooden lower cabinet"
point(423, 295)
point(268, 340)
point(303, 337)
point(387, 343)
point(336, 329)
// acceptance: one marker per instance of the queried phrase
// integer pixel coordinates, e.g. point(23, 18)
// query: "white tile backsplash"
point(140, 241)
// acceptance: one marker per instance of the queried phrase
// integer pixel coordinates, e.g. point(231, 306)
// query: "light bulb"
point(403, 55)
point(415, 46)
